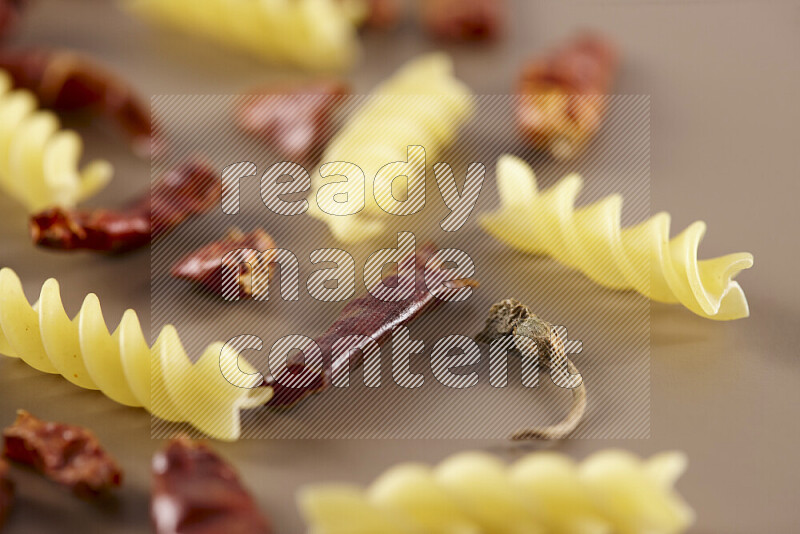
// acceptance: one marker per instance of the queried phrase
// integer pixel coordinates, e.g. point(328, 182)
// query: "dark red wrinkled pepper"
point(205, 267)
point(6, 492)
point(566, 87)
point(66, 454)
point(197, 492)
point(190, 189)
point(295, 119)
point(66, 81)
point(366, 316)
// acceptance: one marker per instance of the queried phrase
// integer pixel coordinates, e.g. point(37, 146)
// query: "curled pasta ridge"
point(39, 162)
point(591, 239)
point(314, 34)
point(120, 364)
point(475, 493)
point(422, 104)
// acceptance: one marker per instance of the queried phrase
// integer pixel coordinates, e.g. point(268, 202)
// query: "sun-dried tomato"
point(67, 454)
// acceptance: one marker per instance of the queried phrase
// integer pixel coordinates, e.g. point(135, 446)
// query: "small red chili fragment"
point(384, 14)
point(70, 82)
point(205, 266)
point(297, 120)
point(197, 492)
point(6, 492)
point(367, 316)
point(10, 13)
point(465, 20)
point(66, 454)
point(561, 104)
point(190, 189)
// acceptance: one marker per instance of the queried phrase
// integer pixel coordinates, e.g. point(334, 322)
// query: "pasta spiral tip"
point(120, 364)
point(39, 162)
point(591, 240)
point(475, 493)
point(315, 34)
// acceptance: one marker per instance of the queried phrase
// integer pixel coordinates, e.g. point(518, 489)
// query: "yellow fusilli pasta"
point(39, 162)
point(611, 492)
point(590, 239)
point(314, 34)
point(423, 104)
point(121, 365)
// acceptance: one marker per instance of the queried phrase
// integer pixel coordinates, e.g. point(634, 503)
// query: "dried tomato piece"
point(67, 454)
point(10, 13)
point(297, 120)
point(6, 492)
point(66, 81)
point(189, 189)
point(561, 105)
point(365, 316)
point(197, 492)
point(466, 20)
point(205, 267)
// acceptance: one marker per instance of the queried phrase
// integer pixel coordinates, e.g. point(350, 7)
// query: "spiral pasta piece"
point(121, 365)
point(39, 162)
point(591, 240)
point(314, 34)
point(423, 104)
point(611, 492)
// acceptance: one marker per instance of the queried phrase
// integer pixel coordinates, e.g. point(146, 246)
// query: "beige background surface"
point(722, 77)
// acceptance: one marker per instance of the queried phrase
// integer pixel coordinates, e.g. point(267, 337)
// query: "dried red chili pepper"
point(297, 119)
point(6, 492)
point(205, 267)
point(67, 454)
point(65, 81)
point(384, 14)
point(561, 105)
point(466, 20)
point(365, 316)
point(190, 189)
point(197, 492)
point(10, 13)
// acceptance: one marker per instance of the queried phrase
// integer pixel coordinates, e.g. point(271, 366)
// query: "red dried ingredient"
point(6, 492)
point(384, 14)
point(69, 82)
point(366, 316)
point(189, 189)
point(297, 120)
point(69, 455)
point(197, 492)
point(205, 267)
point(560, 110)
point(10, 13)
point(465, 20)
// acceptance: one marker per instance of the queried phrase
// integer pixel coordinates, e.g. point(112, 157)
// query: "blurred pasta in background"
point(610, 492)
point(312, 34)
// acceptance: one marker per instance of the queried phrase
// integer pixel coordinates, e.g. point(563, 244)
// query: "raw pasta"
point(314, 34)
point(475, 493)
point(590, 239)
point(121, 365)
point(423, 104)
point(38, 160)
